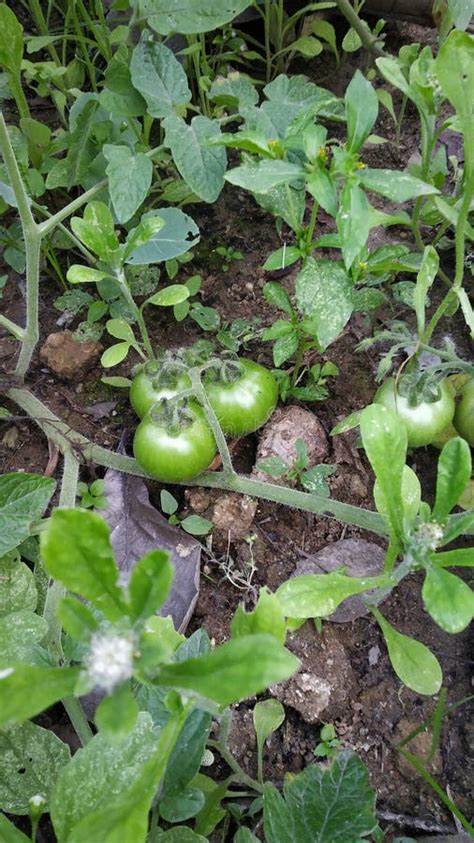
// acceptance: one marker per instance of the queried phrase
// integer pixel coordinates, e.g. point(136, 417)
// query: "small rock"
point(10, 437)
point(359, 557)
point(68, 358)
point(280, 434)
point(199, 499)
point(374, 655)
point(233, 515)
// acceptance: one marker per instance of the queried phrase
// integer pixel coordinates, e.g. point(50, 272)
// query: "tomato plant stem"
point(221, 443)
point(66, 439)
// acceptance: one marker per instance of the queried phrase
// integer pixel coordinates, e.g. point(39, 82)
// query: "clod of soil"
point(326, 680)
point(67, 358)
point(233, 515)
point(360, 558)
point(280, 434)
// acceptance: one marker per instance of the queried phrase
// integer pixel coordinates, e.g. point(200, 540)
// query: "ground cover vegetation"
point(115, 726)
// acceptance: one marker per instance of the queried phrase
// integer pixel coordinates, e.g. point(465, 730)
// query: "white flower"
point(38, 800)
point(110, 659)
point(429, 535)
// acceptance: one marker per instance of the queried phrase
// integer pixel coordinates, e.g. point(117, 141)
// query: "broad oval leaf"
point(413, 663)
point(78, 274)
point(455, 71)
point(11, 42)
point(140, 235)
point(25, 691)
point(157, 74)
point(115, 354)
point(396, 185)
point(411, 497)
point(454, 472)
point(150, 584)
point(265, 175)
point(324, 293)
point(268, 715)
point(385, 443)
point(31, 760)
point(169, 296)
point(448, 599)
point(178, 234)
point(17, 585)
point(319, 595)
point(362, 108)
point(100, 774)
point(190, 16)
point(201, 165)
point(235, 670)
point(120, 329)
point(130, 176)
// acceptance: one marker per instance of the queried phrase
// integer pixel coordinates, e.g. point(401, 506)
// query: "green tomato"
point(424, 422)
point(464, 413)
point(244, 404)
point(174, 453)
point(148, 388)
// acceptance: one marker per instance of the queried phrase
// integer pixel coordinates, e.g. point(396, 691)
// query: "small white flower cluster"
point(110, 659)
point(428, 536)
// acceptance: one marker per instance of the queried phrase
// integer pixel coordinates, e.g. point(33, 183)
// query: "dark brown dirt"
point(347, 678)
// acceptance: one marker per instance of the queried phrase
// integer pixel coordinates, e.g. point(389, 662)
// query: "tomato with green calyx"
point(152, 383)
point(424, 421)
point(242, 394)
point(464, 414)
point(173, 443)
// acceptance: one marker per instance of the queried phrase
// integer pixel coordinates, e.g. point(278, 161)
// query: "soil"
point(346, 678)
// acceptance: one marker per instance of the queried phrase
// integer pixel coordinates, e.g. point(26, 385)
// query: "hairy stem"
point(76, 715)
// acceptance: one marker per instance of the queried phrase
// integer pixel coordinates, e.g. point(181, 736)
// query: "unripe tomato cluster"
point(178, 451)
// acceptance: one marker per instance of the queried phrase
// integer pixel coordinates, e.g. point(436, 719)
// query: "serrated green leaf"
point(322, 804)
point(266, 618)
point(76, 551)
point(284, 348)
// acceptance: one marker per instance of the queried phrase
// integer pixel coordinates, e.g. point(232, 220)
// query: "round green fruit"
point(423, 422)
